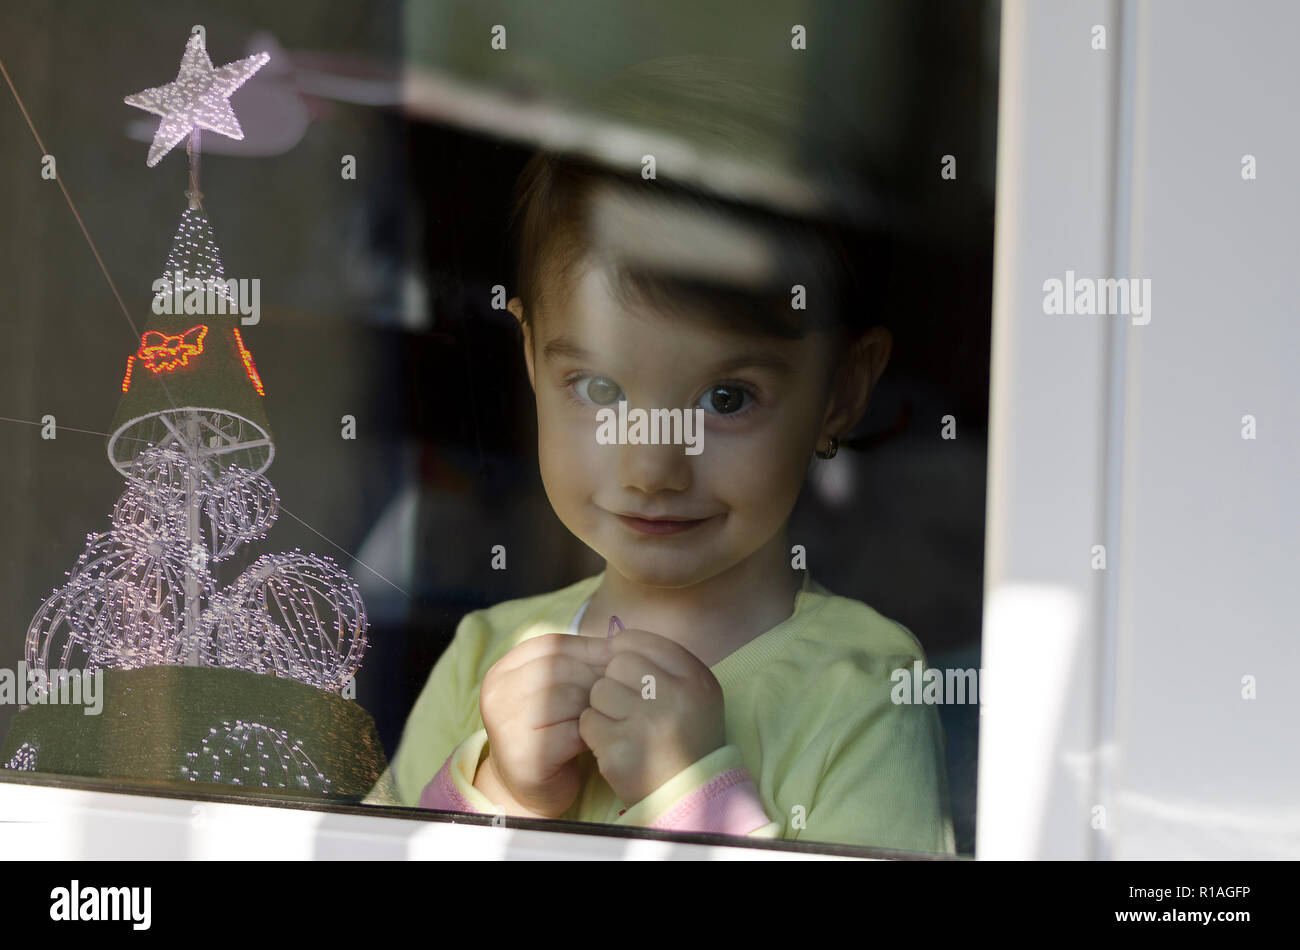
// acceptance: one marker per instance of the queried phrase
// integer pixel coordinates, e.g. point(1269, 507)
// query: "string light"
point(126, 380)
point(297, 615)
point(121, 608)
point(249, 753)
point(163, 352)
point(240, 508)
point(23, 759)
point(132, 598)
point(171, 475)
point(249, 368)
point(194, 256)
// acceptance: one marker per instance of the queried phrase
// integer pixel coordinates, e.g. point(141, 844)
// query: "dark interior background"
point(376, 293)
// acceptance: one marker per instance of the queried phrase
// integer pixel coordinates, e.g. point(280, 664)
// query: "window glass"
point(574, 412)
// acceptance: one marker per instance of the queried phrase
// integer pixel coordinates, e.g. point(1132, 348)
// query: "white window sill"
point(74, 820)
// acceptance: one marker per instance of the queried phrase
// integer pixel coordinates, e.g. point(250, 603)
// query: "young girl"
point(701, 682)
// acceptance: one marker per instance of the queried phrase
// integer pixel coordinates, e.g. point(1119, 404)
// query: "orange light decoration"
point(247, 357)
point(126, 380)
point(163, 352)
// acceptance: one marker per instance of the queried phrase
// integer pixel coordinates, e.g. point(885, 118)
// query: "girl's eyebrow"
point(561, 347)
point(759, 359)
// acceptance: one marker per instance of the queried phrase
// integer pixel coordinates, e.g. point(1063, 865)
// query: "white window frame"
point(1060, 137)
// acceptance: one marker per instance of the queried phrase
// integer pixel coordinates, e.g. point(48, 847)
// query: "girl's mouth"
point(660, 525)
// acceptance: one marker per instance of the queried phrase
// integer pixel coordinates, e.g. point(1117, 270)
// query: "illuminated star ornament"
point(198, 99)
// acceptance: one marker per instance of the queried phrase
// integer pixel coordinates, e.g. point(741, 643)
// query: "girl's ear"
point(859, 372)
point(516, 306)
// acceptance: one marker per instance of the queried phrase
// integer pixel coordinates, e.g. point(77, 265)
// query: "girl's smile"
point(662, 525)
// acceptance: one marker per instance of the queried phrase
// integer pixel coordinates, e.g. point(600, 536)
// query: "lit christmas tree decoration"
point(271, 651)
point(197, 99)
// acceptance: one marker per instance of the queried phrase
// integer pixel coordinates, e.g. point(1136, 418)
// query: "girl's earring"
point(830, 452)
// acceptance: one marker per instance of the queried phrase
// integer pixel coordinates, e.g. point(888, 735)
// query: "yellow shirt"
point(808, 714)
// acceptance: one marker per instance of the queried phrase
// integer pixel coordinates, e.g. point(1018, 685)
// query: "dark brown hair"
point(552, 225)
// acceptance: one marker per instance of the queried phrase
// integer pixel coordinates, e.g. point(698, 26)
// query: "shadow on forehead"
point(678, 250)
point(700, 260)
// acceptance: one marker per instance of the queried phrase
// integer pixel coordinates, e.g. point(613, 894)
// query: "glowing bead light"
point(160, 352)
point(121, 608)
point(195, 257)
point(249, 368)
point(249, 753)
point(297, 615)
point(24, 759)
point(240, 508)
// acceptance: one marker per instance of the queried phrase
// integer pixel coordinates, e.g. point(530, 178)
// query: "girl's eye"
point(599, 390)
point(724, 400)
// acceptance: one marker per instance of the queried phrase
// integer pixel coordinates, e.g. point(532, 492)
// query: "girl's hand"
point(644, 731)
point(530, 702)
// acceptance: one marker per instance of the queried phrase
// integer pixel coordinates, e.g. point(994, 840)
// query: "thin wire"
point(58, 179)
point(29, 422)
point(67, 197)
point(345, 551)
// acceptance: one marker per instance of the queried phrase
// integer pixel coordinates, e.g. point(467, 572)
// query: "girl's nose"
point(653, 468)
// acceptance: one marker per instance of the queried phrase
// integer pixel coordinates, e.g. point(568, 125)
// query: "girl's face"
point(661, 517)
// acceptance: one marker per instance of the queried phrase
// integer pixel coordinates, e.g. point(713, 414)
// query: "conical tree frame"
point(192, 383)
